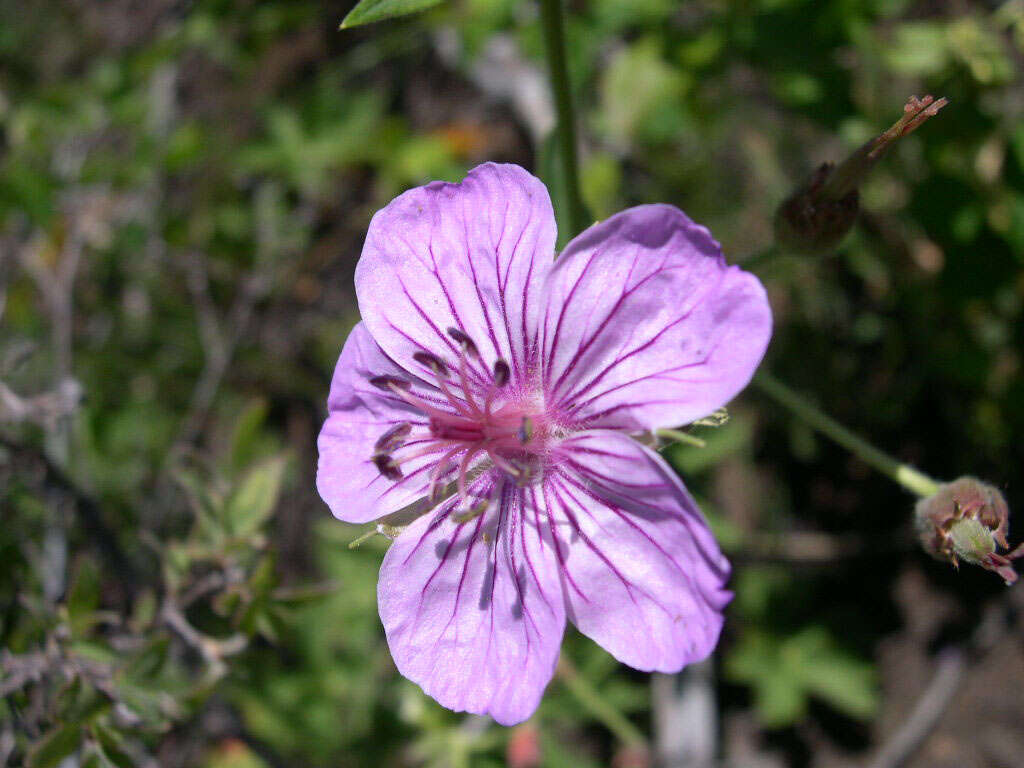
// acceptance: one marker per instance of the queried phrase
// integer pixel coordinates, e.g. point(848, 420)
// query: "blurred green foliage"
point(210, 170)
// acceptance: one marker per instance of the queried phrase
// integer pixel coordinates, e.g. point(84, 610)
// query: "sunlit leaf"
point(254, 498)
point(59, 743)
point(785, 672)
point(369, 11)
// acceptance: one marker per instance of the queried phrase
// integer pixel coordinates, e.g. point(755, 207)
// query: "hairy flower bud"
point(819, 214)
point(967, 520)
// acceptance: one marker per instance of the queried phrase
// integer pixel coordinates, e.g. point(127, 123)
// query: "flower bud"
point(819, 214)
point(967, 520)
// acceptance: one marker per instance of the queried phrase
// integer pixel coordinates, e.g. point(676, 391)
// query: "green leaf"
point(369, 11)
point(55, 746)
point(84, 597)
point(844, 682)
point(786, 671)
point(109, 748)
point(247, 433)
point(254, 498)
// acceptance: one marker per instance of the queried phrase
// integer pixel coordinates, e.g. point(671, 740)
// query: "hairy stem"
point(904, 474)
point(553, 26)
point(597, 706)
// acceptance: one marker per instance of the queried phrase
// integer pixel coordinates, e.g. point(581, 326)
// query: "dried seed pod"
point(967, 520)
point(820, 213)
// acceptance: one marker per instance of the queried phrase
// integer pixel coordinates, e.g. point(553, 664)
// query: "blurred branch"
point(45, 409)
point(33, 461)
point(220, 337)
point(927, 711)
point(597, 706)
point(212, 650)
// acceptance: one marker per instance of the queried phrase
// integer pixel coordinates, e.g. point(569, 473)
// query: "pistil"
point(477, 424)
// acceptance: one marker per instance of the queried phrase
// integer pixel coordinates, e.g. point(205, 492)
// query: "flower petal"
point(646, 326)
point(471, 256)
point(474, 612)
point(358, 415)
point(642, 572)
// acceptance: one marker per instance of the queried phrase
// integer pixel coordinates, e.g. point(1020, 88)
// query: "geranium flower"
point(497, 392)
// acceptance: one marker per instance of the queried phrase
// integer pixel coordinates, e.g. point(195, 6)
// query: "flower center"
point(475, 421)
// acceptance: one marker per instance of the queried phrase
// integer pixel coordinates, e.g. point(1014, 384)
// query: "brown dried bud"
point(819, 214)
point(809, 222)
point(967, 520)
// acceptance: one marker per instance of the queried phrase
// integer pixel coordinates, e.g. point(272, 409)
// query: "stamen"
point(437, 493)
point(459, 405)
point(420, 403)
point(501, 373)
point(464, 383)
point(465, 341)
point(444, 465)
point(430, 446)
point(503, 464)
point(389, 383)
point(464, 469)
point(393, 439)
point(431, 361)
point(387, 466)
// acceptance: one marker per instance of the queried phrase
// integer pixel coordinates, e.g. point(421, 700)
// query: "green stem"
point(591, 700)
point(553, 26)
point(904, 474)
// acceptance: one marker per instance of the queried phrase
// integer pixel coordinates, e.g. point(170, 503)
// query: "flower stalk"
point(910, 478)
point(599, 708)
point(553, 27)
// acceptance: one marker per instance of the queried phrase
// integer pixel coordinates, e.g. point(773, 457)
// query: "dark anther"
point(525, 431)
point(501, 373)
point(394, 438)
point(431, 361)
point(387, 466)
point(387, 382)
point(464, 340)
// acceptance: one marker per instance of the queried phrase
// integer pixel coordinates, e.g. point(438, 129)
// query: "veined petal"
point(643, 575)
point(646, 326)
point(358, 414)
point(472, 256)
point(473, 611)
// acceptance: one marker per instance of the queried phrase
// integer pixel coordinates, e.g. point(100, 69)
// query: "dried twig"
point(211, 649)
point(29, 461)
point(927, 711)
point(45, 409)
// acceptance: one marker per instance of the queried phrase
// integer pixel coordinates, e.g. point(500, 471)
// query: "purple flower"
point(497, 392)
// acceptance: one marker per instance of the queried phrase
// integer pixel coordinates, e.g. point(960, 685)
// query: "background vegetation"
point(184, 189)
